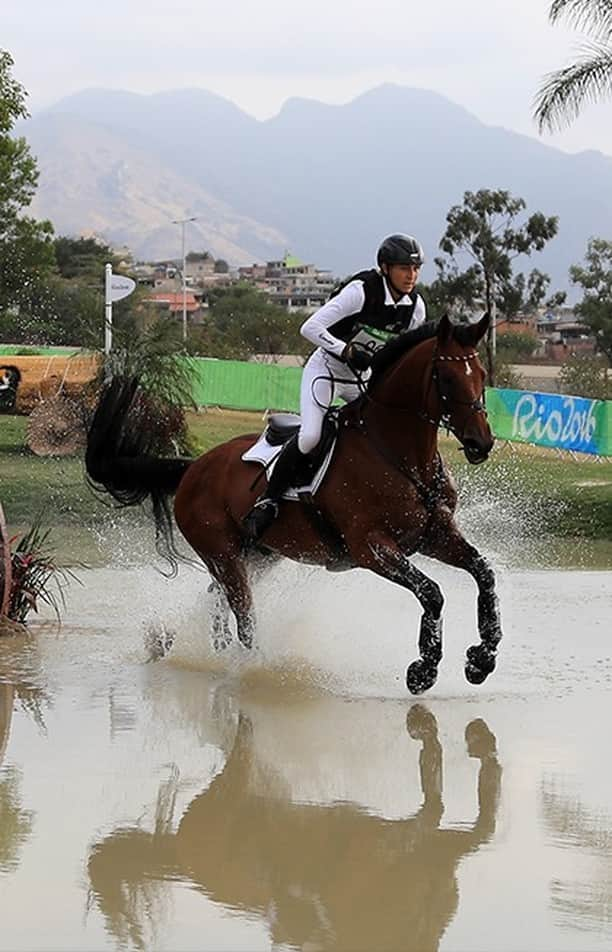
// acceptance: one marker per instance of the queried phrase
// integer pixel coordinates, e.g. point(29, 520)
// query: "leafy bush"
point(513, 347)
point(585, 376)
point(505, 376)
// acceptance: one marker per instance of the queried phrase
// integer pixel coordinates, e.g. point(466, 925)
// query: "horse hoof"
point(420, 676)
point(481, 657)
point(474, 674)
point(480, 663)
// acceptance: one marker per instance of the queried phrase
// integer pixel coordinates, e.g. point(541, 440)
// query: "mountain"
point(325, 181)
point(96, 180)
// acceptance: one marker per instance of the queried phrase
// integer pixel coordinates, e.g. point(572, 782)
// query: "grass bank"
point(526, 494)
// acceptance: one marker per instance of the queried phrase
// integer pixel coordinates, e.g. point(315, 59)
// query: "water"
point(296, 797)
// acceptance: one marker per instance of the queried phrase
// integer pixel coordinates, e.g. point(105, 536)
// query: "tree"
point(526, 294)
point(595, 279)
point(485, 229)
point(83, 258)
point(221, 266)
point(452, 291)
point(563, 93)
point(26, 251)
point(242, 323)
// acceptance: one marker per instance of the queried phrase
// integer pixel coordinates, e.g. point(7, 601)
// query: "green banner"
point(551, 419)
point(245, 386)
point(22, 350)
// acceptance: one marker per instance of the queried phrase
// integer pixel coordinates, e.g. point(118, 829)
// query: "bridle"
point(444, 420)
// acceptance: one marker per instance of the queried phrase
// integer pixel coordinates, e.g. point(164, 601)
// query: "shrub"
point(585, 376)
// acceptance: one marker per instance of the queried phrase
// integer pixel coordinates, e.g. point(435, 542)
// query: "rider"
point(360, 317)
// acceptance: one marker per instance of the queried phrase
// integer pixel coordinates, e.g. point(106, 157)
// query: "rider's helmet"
point(400, 249)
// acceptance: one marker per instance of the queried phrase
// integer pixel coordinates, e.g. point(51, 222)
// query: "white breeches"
point(317, 392)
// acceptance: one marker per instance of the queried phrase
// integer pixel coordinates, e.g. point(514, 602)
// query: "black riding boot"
point(265, 510)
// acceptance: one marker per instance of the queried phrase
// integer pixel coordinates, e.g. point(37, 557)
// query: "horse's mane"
point(390, 352)
point(395, 348)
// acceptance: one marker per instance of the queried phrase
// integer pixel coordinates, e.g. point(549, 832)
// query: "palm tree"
point(589, 79)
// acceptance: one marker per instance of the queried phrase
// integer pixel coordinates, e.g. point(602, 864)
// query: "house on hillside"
point(562, 333)
point(290, 283)
point(198, 266)
point(171, 303)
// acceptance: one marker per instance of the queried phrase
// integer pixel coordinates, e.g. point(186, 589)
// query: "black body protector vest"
point(377, 322)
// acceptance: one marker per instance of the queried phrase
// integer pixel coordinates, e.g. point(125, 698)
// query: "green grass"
point(569, 500)
point(573, 496)
point(211, 427)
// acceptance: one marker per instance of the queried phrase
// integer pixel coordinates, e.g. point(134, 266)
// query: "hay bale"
point(56, 427)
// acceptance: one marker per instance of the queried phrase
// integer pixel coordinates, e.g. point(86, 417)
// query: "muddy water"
point(296, 797)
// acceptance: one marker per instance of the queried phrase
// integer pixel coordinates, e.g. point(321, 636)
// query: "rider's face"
point(403, 277)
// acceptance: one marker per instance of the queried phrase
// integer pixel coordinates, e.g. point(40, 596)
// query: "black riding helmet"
point(400, 249)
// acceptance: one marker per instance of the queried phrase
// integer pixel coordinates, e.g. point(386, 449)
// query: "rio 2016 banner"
point(554, 420)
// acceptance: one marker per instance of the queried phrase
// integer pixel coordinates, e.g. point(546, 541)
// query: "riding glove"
point(357, 356)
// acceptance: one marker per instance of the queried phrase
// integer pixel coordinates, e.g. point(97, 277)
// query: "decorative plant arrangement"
point(29, 576)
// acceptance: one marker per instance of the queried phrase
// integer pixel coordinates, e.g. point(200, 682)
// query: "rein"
point(428, 493)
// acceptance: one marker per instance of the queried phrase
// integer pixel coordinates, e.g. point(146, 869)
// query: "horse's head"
point(458, 379)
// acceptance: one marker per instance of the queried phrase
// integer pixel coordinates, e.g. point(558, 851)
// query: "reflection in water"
point(21, 669)
point(580, 904)
point(325, 877)
point(15, 823)
point(6, 716)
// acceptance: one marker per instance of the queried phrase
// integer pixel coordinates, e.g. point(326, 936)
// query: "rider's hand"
point(357, 357)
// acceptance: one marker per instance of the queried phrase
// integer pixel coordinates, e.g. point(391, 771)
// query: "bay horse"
point(387, 494)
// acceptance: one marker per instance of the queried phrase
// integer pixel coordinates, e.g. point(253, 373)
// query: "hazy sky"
point(487, 55)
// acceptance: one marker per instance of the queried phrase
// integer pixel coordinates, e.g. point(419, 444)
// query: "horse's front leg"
point(389, 561)
point(445, 542)
point(220, 617)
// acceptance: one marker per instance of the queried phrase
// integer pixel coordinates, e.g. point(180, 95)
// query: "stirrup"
point(260, 518)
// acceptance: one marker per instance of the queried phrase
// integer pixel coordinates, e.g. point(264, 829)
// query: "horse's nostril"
point(475, 452)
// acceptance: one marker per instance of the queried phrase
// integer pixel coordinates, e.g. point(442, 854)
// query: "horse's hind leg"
point(230, 573)
point(447, 544)
point(390, 562)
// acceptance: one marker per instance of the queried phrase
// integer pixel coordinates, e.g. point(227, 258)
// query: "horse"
point(385, 496)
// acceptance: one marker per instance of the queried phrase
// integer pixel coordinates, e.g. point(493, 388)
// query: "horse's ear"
point(445, 330)
point(470, 334)
point(481, 328)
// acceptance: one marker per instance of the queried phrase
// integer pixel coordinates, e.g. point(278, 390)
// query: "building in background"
point(290, 283)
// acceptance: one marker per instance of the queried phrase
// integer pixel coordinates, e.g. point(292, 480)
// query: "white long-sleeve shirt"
point(350, 300)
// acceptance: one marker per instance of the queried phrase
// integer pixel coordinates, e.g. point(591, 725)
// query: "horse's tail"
point(125, 436)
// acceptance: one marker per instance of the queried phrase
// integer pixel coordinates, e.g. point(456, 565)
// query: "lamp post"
point(182, 222)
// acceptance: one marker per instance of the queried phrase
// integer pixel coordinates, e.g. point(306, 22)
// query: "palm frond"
point(564, 92)
point(590, 16)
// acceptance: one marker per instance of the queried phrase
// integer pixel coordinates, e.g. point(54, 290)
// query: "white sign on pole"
point(121, 286)
point(116, 287)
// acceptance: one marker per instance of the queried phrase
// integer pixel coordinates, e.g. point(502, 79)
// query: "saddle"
point(280, 428)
